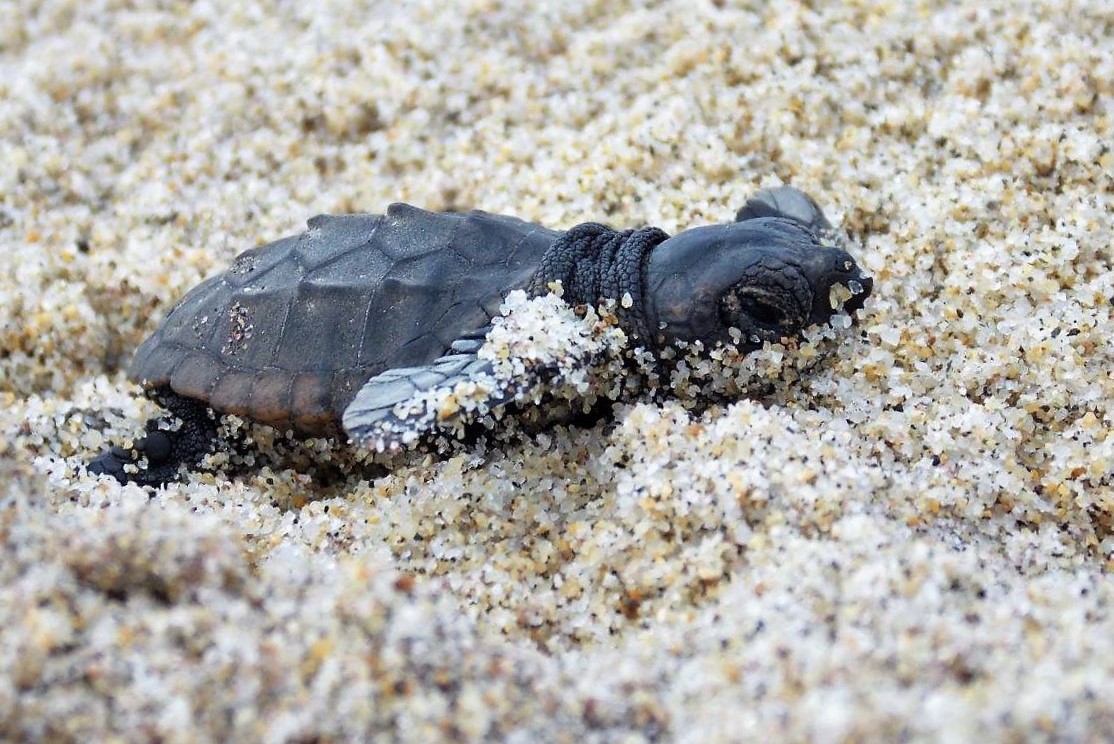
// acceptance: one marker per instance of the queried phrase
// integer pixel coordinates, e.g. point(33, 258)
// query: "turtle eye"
point(761, 311)
point(758, 312)
point(745, 310)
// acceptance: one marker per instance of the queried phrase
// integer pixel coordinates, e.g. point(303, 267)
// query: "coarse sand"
point(910, 539)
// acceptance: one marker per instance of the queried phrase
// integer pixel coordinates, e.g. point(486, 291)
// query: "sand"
point(908, 537)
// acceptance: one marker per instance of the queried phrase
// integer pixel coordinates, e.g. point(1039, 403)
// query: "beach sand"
point(911, 539)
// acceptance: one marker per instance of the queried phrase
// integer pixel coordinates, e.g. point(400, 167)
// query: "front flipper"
point(402, 406)
point(536, 349)
point(785, 201)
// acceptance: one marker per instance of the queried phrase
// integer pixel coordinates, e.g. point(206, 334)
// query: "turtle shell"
point(293, 329)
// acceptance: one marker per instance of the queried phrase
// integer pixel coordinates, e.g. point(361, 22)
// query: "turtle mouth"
point(860, 287)
point(762, 313)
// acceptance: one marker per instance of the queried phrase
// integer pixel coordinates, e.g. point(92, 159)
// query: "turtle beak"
point(841, 285)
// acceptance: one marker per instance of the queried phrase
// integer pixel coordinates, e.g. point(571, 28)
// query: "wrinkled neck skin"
point(595, 263)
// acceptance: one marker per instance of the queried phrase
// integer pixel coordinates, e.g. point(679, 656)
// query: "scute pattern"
point(255, 262)
point(193, 320)
point(293, 329)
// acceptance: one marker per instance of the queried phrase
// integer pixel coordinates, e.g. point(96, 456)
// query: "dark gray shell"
point(292, 330)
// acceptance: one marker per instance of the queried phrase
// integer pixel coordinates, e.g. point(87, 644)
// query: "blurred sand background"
point(912, 542)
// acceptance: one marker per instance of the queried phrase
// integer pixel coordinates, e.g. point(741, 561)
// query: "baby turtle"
point(329, 331)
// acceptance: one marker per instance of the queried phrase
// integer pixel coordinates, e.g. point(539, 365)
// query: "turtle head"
point(769, 277)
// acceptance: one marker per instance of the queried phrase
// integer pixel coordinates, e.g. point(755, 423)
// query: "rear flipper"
point(170, 442)
point(785, 201)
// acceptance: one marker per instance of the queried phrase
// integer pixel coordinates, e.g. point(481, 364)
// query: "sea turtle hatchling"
point(337, 328)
